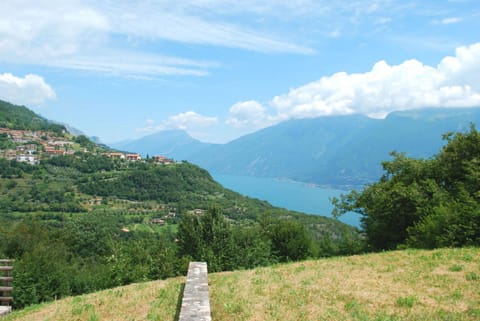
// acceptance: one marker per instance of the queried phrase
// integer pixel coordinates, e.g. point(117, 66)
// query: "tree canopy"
point(423, 203)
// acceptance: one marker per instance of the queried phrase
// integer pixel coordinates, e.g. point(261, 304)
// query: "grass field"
point(402, 285)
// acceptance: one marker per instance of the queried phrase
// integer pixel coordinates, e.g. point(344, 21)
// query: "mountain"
point(336, 150)
point(289, 149)
point(175, 144)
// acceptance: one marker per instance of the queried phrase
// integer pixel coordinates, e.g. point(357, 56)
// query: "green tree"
point(289, 239)
point(41, 275)
point(253, 248)
point(208, 238)
point(83, 141)
point(423, 203)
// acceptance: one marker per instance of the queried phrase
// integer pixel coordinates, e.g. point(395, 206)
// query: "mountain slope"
point(335, 150)
point(289, 149)
point(176, 144)
point(340, 150)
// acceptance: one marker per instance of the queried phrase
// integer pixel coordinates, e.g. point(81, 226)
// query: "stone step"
point(5, 310)
point(5, 261)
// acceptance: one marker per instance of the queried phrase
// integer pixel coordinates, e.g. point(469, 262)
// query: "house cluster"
point(161, 221)
point(157, 221)
point(138, 157)
point(163, 160)
point(130, 157)
point(31, 145)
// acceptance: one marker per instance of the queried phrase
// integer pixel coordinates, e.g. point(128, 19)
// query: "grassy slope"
point(404, 285)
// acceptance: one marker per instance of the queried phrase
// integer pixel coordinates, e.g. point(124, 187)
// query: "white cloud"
point(450, 20)
point(115, 37)
point(107, 37)
point(454, 82)
point(162, 21)
point(134, 65)
point(249, 114)
point(189, 121)
point(31, 89)
point(48, 29)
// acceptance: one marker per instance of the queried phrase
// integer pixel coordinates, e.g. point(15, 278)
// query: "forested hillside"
point(20, 117)
point(82, 219)
point(80, 223)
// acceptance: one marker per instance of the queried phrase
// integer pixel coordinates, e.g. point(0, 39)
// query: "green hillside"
point(20, 117)
point(79, 219)
point(442, 284)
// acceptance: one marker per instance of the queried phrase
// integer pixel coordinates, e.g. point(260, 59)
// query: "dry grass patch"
point(401, 285)
point(152, 301)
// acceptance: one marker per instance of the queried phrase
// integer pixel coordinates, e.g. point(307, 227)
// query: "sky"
point(122, 69)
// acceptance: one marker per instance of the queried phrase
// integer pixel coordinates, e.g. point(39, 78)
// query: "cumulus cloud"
point(249, 114)
point(454, 82)
point(189, 121)
point(31, 89)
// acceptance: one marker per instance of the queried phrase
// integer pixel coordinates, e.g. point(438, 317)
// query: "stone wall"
point(196, 300)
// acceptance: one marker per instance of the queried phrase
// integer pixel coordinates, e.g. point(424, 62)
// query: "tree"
point(208, 238)
point(42, 275)
point(289, 239)
point(83, 141)
point(423, 203)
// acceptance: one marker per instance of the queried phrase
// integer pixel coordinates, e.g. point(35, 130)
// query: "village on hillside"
point(32, 146)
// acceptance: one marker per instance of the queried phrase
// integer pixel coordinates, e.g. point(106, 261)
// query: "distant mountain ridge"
point(333, 150)
point(171, 143)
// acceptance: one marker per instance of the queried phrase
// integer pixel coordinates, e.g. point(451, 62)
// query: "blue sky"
point(220, 69)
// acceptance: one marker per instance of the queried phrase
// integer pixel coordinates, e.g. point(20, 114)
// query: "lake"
point(296, 196)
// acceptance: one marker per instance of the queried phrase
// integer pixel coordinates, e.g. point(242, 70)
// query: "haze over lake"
point(289, 194)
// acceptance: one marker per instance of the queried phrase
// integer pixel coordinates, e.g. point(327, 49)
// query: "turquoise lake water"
point(288, 194)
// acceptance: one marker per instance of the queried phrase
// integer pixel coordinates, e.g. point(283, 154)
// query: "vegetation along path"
point(441, 284)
